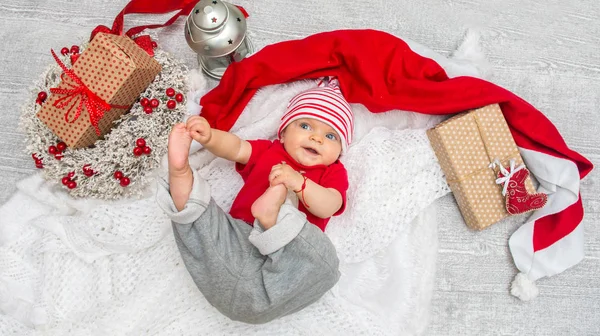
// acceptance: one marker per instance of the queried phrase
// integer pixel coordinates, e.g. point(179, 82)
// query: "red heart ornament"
point(518, 199)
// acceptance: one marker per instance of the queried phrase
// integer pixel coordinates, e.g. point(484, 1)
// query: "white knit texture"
point(113, 268)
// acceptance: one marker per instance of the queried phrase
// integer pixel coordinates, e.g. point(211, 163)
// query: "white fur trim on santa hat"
point(467, 60)
point(470, 53)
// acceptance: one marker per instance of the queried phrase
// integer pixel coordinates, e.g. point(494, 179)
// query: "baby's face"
point(311, 142)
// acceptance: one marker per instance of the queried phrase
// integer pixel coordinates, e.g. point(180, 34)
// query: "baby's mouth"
point(311, 150)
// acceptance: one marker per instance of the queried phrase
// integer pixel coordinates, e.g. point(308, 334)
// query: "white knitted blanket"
point(89, 267)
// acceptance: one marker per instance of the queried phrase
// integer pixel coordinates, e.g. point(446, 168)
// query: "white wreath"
point(115, 151)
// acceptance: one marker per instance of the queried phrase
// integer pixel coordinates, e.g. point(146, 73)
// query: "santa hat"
point(381, 72)
point(324, 103)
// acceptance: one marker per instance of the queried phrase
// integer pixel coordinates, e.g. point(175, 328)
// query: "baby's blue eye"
point(331, 136)
point(304, 126)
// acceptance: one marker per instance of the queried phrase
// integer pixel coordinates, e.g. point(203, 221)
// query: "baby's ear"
point(282, 136)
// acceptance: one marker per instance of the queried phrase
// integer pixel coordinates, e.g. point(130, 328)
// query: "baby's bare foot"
point(266, 208)
point(179, 149)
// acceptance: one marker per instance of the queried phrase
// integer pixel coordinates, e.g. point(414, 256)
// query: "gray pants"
point(248, 274)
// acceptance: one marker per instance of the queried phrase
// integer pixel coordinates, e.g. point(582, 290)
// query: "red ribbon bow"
point(96, 107)
point(184, 7)
point(143, 41)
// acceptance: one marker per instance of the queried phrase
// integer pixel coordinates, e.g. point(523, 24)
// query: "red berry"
point(179, 97)
point(71, 174)
point(52, 150)
point(171, 104)
point(72, 185)
point(137, 151)
point(170, 92)
point(145, 102)
point(74, 58)
point(65, 180)
point(64, 50)
point(61, 146)
point(124, 182)
point(140, 142)
point(38, 161)
point(147, 150)
point(154, 102)
point(154, 44)
point(34, 156)
point(148, 110)
point(74, 49)
point(39, 166)
point(87, 171)
point(58, 156)
point(42, 96)
point(118, 174)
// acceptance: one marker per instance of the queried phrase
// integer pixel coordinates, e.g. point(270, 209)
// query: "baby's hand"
point(199, 129)
point(286, 175)
point(179, 148)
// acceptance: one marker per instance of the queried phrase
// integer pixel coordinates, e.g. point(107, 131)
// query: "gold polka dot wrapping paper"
point(466, 145)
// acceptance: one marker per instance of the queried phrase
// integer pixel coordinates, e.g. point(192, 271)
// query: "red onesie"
point(255, 173)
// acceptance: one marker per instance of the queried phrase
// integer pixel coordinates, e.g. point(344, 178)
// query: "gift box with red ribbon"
point(480, 159)
point(104, 82)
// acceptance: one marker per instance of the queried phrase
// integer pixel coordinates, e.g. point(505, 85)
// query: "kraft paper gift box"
point(465, 146)
point(114, 69)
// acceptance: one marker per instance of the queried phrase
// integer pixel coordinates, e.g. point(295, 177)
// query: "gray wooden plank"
point(546, 52)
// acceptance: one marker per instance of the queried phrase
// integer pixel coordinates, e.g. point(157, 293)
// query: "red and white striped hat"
point(324, 103)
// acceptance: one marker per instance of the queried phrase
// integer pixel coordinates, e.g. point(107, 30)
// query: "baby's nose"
point(316, 137)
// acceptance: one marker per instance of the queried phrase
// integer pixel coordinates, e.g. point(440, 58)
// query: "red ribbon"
point(146, 7)
point(96, 107)
point(243, 10)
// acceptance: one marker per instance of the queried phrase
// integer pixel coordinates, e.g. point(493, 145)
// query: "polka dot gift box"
point(465, 146)
point(107, 79)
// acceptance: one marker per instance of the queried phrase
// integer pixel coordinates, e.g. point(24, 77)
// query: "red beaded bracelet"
point(302, 191)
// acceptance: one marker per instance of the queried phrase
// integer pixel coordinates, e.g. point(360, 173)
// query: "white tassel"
point(523, 287)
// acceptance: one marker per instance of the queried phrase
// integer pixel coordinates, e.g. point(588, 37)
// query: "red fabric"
point(147, 7)
point(243, 10)
point(380, 71)
point(518, 199)
point(550, 229)
point(266, 154)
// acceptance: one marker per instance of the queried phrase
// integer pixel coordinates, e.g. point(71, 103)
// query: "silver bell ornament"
point(216, 31)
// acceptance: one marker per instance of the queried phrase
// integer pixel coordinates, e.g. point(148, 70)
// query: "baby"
point(267, 257)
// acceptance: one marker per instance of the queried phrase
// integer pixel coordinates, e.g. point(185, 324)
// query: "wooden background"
point(547, 52)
